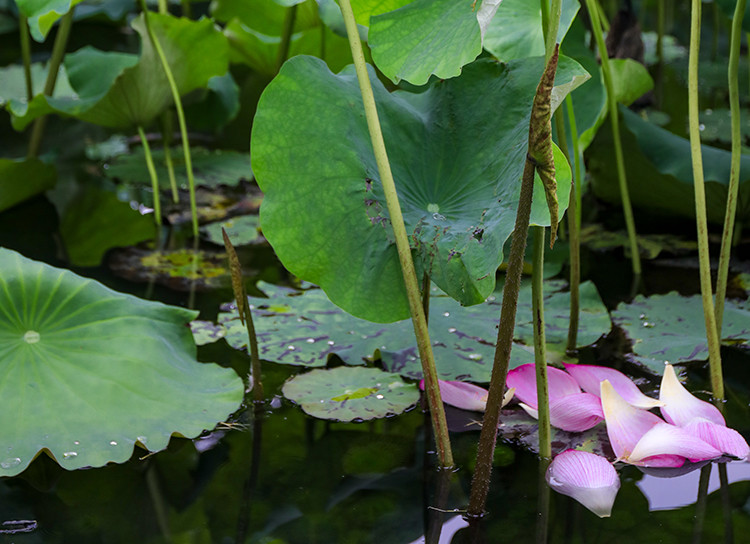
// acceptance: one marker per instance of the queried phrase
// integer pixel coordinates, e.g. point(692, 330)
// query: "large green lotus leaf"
point(671, 327)
point(260, 51)
point(424, 38)
point(306, 328)
point(457, 157)
point(96, 221)
point(119, 90)
point(22, 179)
point(516, 30)
point(88, 372)
point(660, 174)
point(43, 14)
point(351, 394)
point(264, 16)
point(364, 9)
point(210, 168)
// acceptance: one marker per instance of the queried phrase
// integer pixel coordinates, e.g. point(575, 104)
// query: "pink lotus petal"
point(466, 396)
point(666, 439)
point(588, 478)
point(590, 376)
point(680, 406)
point(576, 413)
point(523, 379)
point(726, 440)
point(625, 423)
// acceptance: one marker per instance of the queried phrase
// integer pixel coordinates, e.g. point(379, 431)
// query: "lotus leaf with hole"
point(457, 152)
point(88, 373)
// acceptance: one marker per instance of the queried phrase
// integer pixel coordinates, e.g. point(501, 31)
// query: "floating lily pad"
point(182, 269)
point(241, 230)
point(351, 394)
point(305, 328)
point(324, 210)
point(206, 332)
point(210, 168)
point(671, 328)
point(88, 372)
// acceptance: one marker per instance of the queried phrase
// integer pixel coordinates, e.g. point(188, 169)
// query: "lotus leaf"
point(206, 332)
point(13, 82)
point(423, 38)
point(660, 172)
point(241, 230)
point(264, 15)
point(219, 105)
point(210, 168)
point(305, 328)
point(516, 30)
point(457, 166)
point(121, 90)
point(671, 327)
point(43, 14)
point(22, 179)
point(351, 394)
point(88, 373)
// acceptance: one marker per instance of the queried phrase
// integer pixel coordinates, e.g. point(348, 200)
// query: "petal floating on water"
point(523, 379)
point(589, 377)
point(724, 439)
point(576, 413)
point(665, 439)
point(588, 478)
point(680, 406)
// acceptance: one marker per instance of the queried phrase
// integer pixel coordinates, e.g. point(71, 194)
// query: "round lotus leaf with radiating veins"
point(457, 152)
point(351, 393)
point(671, 328)
point(87, 372)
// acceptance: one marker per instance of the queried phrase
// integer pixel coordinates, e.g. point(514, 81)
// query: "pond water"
point(282, 477)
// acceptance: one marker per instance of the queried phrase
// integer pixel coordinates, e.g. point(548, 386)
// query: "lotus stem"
point(660, 24)
point(419, 320)
point(627, 209)
point(540, 343)
point(726, 503)
point(166, 139)
point(700, 503)
point(286, 35)
point(480, 483)
point(187, 9)
point(712, 336)
point(23, 29)
point(180, 114)
point(543, 499)
point(162, 7)
point(727, 237)
point(53, 67)
point(426, 297)
point(152, 174)
point(574, 238)
point(576, 160)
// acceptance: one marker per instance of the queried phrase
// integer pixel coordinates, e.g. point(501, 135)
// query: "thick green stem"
point(180, 114)
point(660, 24)
point(286, 35)
point(152, 174)
point(23, 30)
point(162, 7)
point(419, 321)
point(540, 342)
point(712, 336)
point(480, 483)
point(627, 209)
point(734, 176)
point(53, 67)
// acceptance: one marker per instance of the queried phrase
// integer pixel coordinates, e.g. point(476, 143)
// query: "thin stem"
point(286, 36)
point(540, 343)
point(419, 321)
point(660, 28)
point(700, 503)
point(480, 483)
point(23, 29)
point(180, 114)
point(53, 67)
point(152, 174)
point(543, 489)
point(574, 238)
point(627, 209)
point(187, 9)
point(734, 176)
point(576, 159)
point(162, 7)
point(714, 356)
point(166, 142)
point(726, 503)
point(426, 296)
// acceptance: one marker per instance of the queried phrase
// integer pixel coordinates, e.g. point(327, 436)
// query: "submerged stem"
point(53, 67)
point(714, 356)
point(180, 114)
point(419, 321)
point(627, 209)
point(734, 176)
